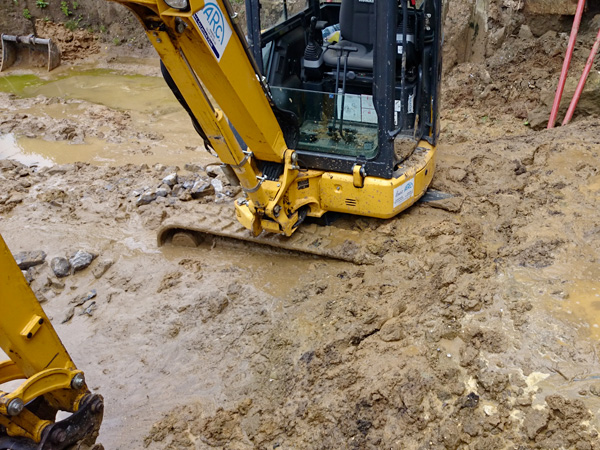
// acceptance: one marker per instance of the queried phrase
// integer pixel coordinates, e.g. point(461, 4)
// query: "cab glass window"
point(274, 12)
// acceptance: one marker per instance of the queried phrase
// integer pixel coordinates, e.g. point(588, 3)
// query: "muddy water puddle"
point(572, 295)
point(144, 122)
point(101, 86)
point(41, 153)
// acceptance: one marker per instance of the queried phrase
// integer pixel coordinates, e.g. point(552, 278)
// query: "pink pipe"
point(582, 80)
point(566, 64)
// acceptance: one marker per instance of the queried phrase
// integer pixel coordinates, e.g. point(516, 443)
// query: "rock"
point(535, 422)
point(492, 381)
point(170, 180)
point(58, 170)
point(214, 171)
point(28, 276)
point(101, 267)
point(550, 44)
point(391, 331)
point(456, 174)
point(15, 199)
point(233, 191)
point(25, 260)
point(81, 259)
point(185, 196)
point(217, 185)
point(470, 401)
point(69, 314)
point(163, 191)
point(595, 389)
point(188, 184)
point(202, 188)
point(193, 167)
point(452, 204)
point(89, 310)
point(55, 283)
point(60, 266)
point(146, 198)
point(538, 118)
point(177, 190)
point(84, 298)
point(525, 33)
point(397, 308)
point(7, 164)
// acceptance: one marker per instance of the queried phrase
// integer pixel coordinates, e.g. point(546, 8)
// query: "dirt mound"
point(500, 60)
point(73, 45)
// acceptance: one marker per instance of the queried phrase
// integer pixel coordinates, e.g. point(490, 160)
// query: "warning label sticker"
point(404, 192)
point(212, 25)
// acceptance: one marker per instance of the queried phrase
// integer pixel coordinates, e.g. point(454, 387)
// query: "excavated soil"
point(475, 324)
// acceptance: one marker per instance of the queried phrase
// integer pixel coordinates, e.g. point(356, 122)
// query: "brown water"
point(74, 98)
point(574, 294)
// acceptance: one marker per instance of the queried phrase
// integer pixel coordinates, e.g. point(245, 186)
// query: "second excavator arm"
point(49, 380)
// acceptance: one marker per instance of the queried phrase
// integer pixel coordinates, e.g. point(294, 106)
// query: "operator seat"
point(357, 29)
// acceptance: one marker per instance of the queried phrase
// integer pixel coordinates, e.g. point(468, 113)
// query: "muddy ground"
point(475, 325)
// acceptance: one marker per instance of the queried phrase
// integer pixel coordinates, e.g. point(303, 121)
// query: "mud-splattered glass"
point(332, 123)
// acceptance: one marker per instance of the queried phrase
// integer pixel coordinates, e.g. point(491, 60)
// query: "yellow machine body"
point(221, 85)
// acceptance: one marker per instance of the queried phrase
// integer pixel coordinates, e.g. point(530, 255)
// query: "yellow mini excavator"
point(317, 107)
point(44, 378)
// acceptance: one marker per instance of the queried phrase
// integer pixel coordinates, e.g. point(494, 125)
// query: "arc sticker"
point(211, 23)
point(403, 192)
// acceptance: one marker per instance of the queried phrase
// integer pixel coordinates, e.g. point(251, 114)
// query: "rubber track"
point(219, 220)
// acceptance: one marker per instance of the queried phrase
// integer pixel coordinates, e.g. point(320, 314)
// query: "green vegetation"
point(41, 4)
point(73, 24)
point(117, 41)
point(27, 13)
point(102, 29)
point(64, 7)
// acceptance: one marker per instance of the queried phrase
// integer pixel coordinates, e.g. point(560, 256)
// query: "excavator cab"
point(359, 97)
point(312, 107)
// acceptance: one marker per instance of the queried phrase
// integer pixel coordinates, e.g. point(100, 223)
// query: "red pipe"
point(566, 64)
point(582, 80)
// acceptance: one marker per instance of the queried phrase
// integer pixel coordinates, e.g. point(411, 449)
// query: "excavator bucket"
point(29, 51)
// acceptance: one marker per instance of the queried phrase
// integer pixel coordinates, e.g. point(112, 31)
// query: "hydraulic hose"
point(582, 80)
point(566, 63)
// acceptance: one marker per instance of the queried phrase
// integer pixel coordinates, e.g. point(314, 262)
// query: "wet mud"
point(475, 325)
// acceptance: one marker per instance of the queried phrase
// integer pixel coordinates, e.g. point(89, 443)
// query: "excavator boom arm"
point(208, 59)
